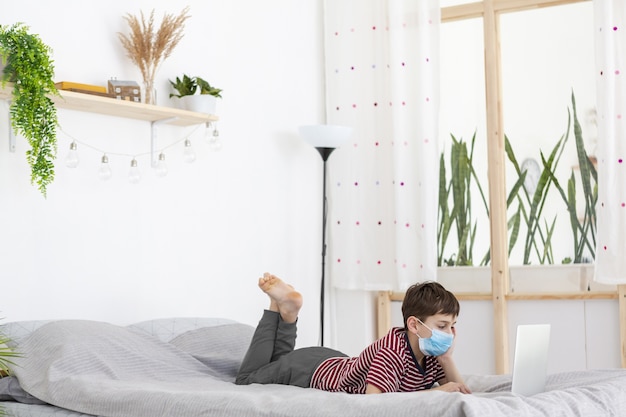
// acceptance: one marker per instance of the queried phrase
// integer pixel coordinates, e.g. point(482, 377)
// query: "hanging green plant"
point(33, 114)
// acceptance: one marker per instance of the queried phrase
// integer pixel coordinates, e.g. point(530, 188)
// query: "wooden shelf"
point(119, 108)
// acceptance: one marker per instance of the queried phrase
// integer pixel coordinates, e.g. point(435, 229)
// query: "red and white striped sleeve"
point(385, 370)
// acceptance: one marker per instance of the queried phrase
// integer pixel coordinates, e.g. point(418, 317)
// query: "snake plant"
point(460, 215)
point(539, 231)
point(583, 228)
point(526, 207)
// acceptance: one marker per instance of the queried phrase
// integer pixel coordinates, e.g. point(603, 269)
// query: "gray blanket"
point(106, 370)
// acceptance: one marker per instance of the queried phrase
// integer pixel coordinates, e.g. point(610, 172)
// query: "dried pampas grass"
point(148, 49)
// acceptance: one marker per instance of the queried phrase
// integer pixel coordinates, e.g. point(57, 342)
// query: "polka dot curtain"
point(610, 26)
point(381, 76)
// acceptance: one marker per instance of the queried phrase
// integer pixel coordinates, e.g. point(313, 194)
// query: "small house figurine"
point(125, 90)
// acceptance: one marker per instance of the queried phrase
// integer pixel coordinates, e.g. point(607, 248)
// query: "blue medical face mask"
point(437, 344)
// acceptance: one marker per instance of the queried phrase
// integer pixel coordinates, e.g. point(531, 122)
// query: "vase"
point(149, 93)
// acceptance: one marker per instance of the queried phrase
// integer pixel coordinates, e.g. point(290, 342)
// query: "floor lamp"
point(324, 138)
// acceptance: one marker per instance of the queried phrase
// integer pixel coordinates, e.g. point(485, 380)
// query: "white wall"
point(194, 242)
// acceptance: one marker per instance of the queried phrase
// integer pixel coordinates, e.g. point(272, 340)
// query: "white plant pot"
point(200, 103)
point(465, 278)
point(550, 278)
point(523, 278)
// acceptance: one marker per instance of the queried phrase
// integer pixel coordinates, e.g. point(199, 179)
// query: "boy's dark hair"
point(427, 299)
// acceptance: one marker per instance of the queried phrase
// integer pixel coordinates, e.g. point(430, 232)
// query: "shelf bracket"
point(153, 136)
point(12, 140)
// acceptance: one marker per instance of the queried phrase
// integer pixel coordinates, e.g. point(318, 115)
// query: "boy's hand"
point(454, 387)
point(453, 382)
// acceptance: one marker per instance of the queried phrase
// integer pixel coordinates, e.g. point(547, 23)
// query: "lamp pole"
point(325, 153)
point(324, 138)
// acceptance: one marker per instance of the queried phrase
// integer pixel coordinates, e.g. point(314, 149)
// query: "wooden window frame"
point(490, 11)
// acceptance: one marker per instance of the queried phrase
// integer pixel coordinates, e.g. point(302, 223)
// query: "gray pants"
point(271, 358)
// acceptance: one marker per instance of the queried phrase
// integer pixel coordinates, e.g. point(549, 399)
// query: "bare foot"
point(287, 300)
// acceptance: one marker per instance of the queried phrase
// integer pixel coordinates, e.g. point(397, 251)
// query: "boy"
point(412, 358)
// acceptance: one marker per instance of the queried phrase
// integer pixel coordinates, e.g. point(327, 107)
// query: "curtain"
point(382, 79)
point(610, 26)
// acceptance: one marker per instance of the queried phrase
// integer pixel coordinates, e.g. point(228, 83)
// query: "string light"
point(104, 172)
point(161, 166)
point(215, 143)
point(189, 154)
point(71, 160)
point(134, 173)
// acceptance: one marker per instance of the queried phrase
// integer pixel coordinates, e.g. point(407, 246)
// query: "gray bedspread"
point(106, 370)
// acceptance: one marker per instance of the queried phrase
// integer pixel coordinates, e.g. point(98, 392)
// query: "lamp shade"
point(325, 136)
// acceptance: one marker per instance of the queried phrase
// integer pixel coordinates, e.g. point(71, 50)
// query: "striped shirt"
point(388, 364)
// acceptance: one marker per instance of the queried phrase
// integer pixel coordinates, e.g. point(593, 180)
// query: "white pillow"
point(167, 329)
point(16, 331)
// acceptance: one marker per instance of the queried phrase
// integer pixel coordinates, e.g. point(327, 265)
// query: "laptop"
point(531, 359)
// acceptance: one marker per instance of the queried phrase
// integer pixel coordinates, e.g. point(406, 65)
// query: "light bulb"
point(188, 154)
point(207, 132)
point(161, 166)
point(104, 172)
point(215, 144)
point(71, 160)
point(134, 174)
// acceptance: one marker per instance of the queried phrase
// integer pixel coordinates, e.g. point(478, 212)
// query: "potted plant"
point(185, 86)
point(6, 354)
point(206, 88)
point(455, 204)
point(526, 201)
point(583, 226)
point(33, 115)
point(196, 94)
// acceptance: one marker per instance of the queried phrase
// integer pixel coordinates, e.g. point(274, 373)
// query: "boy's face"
point(443, 322)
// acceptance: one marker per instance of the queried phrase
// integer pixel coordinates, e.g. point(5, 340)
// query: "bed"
point(185, 367)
